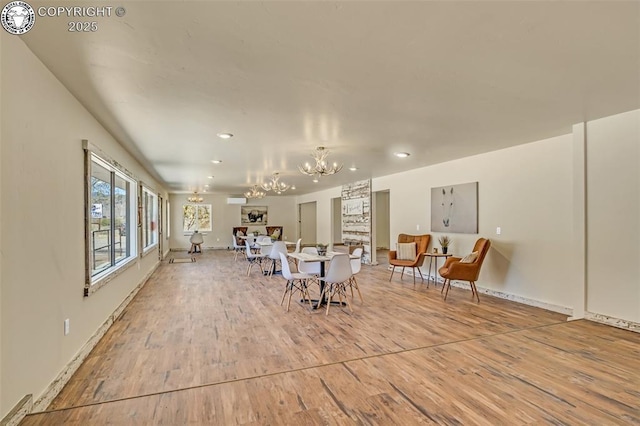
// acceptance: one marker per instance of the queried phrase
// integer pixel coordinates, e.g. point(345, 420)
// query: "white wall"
point(282, 212)
point(613, 216)
point(525, 190)
point(42, 210)
point(534, 193)
point(323, 211)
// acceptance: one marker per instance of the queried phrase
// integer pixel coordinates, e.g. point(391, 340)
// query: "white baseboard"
point(17, 413)
point(614, 322)
point(500, 294)
point(61, 380)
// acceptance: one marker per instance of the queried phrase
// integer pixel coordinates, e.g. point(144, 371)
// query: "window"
point(196, 217)
point(111, 238)
point(149, 219)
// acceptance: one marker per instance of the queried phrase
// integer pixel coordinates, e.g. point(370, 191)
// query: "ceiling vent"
point(236, 200)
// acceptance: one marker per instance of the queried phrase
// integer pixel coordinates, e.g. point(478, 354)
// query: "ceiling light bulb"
point(216, 161)
point(353, 169)
point(402, 154)
point(225, 135)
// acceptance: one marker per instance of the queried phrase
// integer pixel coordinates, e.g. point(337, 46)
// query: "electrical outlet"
point(66, 326)
point(498, 230)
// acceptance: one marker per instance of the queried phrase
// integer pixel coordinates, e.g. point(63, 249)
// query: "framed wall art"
point(454, 208)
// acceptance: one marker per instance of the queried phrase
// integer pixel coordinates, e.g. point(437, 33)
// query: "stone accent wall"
point(356, 216)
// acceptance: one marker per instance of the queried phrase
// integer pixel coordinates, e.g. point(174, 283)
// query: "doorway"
point(307, 224)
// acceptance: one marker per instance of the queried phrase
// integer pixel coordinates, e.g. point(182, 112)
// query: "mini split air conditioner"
point(238, 200)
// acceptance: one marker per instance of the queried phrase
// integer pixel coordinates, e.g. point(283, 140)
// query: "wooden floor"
point(204, 344)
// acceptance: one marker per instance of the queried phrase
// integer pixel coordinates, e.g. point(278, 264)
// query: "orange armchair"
point(422, 242)
point(455, 268)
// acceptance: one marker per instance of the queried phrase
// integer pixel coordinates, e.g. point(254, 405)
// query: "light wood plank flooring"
point(202, 343)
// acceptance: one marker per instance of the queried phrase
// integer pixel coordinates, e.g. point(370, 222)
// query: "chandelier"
point(275, 185)
point(321, 168)
point(254, 192)
point(195, 198)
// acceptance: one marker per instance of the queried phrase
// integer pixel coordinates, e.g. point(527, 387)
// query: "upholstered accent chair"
point(465, 269)
point(275, 232)
point(409, 254)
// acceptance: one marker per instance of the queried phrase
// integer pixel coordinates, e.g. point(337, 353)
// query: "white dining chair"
point(253, 258)
point(237, 248)
point(311, 268)
point(279, 247)
point(356, 266)
point(295, 281)
point(334, 283)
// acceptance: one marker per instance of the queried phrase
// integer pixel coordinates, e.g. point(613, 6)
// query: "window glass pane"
point(121, 218)
point(150, 219)
point(100, 218)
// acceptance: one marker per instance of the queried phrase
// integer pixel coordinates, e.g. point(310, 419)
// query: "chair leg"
point(355, 284)
point(305, 292)
point(343, 290)
point(330, 297)
point(392, 271)
point(402, 273)
point(420, 272)
point(447, 284)
point(474, 289)
point(286, 288)
point(290, 294)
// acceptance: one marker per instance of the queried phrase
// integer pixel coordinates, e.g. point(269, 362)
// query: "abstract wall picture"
point(454, 208)
point(253, 215)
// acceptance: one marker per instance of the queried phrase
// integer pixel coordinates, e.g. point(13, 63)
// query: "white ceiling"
point(440, 80)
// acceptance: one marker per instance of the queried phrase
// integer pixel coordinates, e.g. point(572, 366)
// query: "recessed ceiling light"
point(210, 177)
point(225, 135)
point(293, 187)
point(216, 161)
point(402, 154)
point(353, 169)
point(206, 186)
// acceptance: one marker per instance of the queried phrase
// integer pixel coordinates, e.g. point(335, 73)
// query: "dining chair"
point(356, 266)
point(253, 258)
point(296, 250)
point(334, 283)
point(311, 268)
point(237, 248)
point(279, 247)
point(295, 281)
point(196, 241)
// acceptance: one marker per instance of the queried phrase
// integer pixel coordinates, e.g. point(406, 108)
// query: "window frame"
point(95, 281)
point(143, 207)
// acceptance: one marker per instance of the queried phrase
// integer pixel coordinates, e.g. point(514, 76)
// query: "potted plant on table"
point(444, 243)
